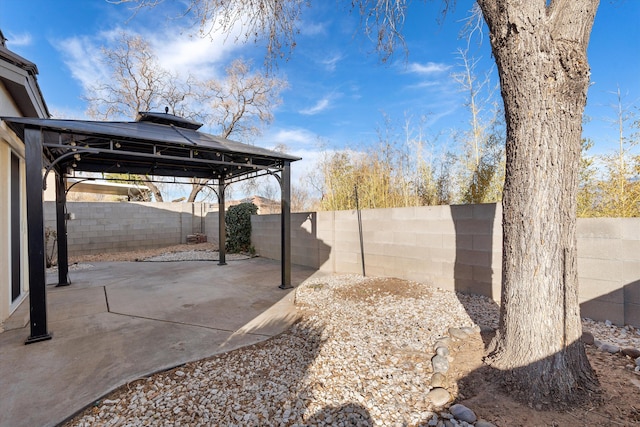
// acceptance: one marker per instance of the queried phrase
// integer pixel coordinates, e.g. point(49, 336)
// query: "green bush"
point(238, 222)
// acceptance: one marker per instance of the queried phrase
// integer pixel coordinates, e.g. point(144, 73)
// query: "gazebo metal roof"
point(158, 144)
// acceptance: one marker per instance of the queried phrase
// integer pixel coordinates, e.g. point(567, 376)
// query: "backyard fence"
point(453, 247)
point(458, 248)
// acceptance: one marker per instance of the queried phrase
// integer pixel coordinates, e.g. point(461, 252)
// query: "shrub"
point(238, 223)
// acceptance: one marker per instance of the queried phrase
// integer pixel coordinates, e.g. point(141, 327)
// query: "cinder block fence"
point(99, 227)
point(453, 247)
point(458, 248)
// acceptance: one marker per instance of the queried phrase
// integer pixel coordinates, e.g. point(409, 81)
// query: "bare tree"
point(616, 192)
point(136, 82)
point(540, 50)
point(240, 105)
point(480, 177)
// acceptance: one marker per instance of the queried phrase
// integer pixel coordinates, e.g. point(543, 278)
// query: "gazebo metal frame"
point(157, 144)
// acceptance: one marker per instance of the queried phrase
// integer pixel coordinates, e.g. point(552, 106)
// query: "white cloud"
point(23, 39)
point(293, 137)
point(313, 28)
point(426, 84)
point(320, 106)
point(331, 62)
point(82, 56)
point(65, 112)
point(428, 68)
point(183, 53)
point(198, 55)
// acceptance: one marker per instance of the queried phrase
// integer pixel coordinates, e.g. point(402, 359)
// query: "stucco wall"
point(10, 144)
point(458, 248)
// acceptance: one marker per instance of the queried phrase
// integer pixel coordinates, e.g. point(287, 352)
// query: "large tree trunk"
point(540, 51)
point(155, 190)
point(197, 184)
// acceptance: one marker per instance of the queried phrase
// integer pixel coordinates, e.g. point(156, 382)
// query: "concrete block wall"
point(459, 248)
point(120, 226)
point(609, 269)
point(452, 247)
point(305, 246)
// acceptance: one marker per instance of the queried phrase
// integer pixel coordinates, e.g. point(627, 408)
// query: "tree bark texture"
point(540, 49)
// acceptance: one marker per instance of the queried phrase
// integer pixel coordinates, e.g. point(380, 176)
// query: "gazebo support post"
point(61, 230)
point(222, 226)
point(285, 221)
point(35, 226)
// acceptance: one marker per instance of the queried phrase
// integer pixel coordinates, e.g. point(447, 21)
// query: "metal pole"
point(222, 227)
point(61, 230)
point(35, 225)
point(360, 231)
point(285, 226)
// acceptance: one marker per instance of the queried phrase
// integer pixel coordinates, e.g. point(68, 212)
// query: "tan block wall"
point(120, 226)
point(453, 247)
point(458, 248)
point(609, 269)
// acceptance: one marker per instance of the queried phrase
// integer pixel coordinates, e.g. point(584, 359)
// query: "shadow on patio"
point(121, 321)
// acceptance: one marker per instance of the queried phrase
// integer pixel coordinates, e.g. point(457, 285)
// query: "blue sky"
point(339, 90)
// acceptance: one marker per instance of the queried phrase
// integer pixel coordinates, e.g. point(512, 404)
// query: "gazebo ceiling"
point(155, 144)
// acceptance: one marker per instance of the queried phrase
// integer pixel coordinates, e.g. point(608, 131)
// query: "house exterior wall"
point(9, 143)
point(458, 248)
point(20, 96)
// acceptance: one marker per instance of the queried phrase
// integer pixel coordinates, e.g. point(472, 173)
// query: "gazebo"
point(158, 144)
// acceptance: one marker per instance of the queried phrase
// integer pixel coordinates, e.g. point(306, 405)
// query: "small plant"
point(238, 223)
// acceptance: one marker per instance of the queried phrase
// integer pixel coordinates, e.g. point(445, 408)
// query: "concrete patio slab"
point(118, 322)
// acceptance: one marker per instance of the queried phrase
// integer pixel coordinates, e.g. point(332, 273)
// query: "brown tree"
point(540, 50)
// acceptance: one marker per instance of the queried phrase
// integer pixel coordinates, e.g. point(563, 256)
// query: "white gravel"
point(195, 255)
point(361, 357)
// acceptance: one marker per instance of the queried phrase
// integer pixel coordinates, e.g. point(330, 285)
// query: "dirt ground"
point(141, 254)
point(479, 390)
point(477, 386)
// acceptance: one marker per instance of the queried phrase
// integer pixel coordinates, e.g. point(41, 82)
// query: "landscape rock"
point(458, 333)
point(444, 351)
point(437, 379)
point(439, 397)
point(440, 364)
point(631, 352)
point(370, 353)
point(463, 413)
point(442, 342)
point(587, 338)
point(609, 348)
point(468, 330)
